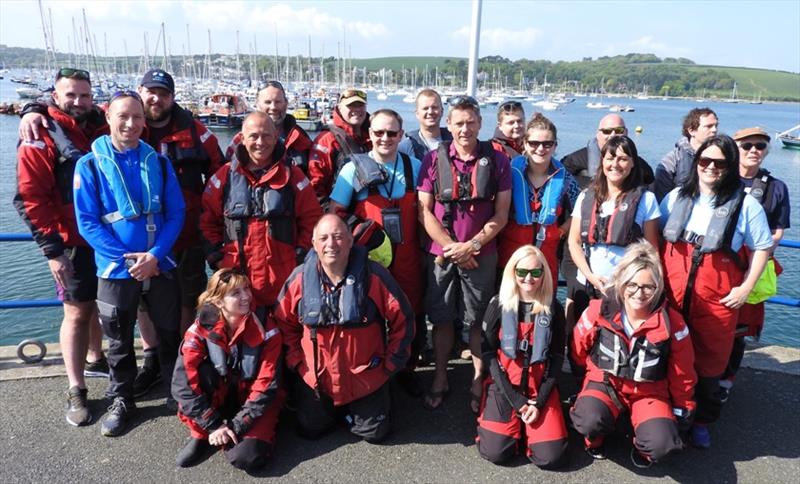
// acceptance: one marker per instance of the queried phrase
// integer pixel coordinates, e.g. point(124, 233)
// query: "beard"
point(151, 116)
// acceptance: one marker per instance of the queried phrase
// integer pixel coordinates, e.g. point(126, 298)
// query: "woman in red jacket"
point(226, 376)
point(639, 359)
point(523, 350)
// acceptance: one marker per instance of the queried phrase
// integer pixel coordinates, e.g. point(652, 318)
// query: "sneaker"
point(96, 369)
point(700, 437)
point(77, 408)
point(171, 404)
point(145, 380)
point(639, 460)
point(192, 452)
point(725, 387)
point(597, 453)
point(116, 419)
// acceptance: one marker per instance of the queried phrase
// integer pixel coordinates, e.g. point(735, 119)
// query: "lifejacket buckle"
point(523, 345)
point(150, 227)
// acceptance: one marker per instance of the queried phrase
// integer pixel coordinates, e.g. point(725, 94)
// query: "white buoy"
point(639, 130)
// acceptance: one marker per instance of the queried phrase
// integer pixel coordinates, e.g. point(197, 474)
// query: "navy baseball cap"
point(158, 78)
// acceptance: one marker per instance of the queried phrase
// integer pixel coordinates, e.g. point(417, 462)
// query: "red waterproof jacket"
point(195, 155)
point(44, 182)
point(269, 259)
point(355, 360)
point(325, 161)
point(677, 387)
point(201, 390)
point(296, 140)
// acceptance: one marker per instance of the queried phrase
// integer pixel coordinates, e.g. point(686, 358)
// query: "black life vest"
point(720, 228)
point(537, 350)
point(455, 186)
point(347, 147)
point(242, 201)
point(68, 156)
point(352, 305)
point(762, 188)
point(190, 163)
point(619, 228)
point(370, 174)
point(640, 360)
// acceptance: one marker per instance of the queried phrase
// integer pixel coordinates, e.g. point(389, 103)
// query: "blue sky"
point(763, 34)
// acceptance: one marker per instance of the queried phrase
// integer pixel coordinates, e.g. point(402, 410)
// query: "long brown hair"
point(634, 178)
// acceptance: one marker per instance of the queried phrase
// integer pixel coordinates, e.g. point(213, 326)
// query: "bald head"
point(332, 241)
point(259, 138)
point(613, 125)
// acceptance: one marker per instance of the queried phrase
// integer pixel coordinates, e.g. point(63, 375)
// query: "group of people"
point(332, 256)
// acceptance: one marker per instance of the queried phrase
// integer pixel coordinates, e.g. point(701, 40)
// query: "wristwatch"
point(476, 245)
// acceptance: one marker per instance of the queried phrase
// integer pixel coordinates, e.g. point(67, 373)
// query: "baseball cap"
point(747, 132)
point(351, 96)
point(158, 78)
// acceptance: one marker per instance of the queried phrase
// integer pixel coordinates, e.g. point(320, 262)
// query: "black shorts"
point(82, 285)
point(192, 277)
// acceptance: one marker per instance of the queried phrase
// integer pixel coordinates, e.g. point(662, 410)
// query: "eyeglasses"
point(760, 146)
point(510, 106)
point(388, 132)
point(544, 144)
point(616, 130)
point(226, 274)
point(632, 288)
point(353, 92)
point(704, 161)
point(124, 93)
point(536, 272)
point(71, 73)
point(461, 101)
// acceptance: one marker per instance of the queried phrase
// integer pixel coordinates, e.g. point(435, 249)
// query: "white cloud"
point(649, 45)
point(495, 40)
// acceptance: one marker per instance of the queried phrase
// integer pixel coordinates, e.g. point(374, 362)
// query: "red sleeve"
point(584, 334)
point(307, 208)
point(285, 316)
point(212, 224)
point(231, 149)
point(320, 164)
point(211, 145)
point(193, 402)
point(681, 374)
point(37, 200)
point(266, 380)
point(393, 305)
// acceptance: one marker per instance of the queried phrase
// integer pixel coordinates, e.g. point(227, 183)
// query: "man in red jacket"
point(347, 328)
point(45, 170)
point(259, 211)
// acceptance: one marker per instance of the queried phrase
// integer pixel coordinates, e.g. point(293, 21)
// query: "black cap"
point(158, 78)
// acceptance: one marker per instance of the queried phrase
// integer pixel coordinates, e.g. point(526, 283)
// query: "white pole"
point(474, 42)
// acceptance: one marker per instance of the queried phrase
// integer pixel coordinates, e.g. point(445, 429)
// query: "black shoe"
point(639, 460)
point(171, 404)
point(96, 369)
point(145, 380)
point(409, 381)
point(78, 413)
point(192, 452)
point(597, 453)
point(116, 419)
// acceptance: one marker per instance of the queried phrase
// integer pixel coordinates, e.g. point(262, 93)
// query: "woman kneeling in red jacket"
point(639, 359)
point(226, 377)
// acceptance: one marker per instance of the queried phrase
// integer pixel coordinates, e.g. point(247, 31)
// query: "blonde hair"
point(509, 291)
point(221, 282)
point(639, 256)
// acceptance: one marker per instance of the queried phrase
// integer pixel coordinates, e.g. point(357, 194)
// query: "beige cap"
point(747, 132)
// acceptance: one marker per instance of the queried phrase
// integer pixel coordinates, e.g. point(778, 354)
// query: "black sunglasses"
point(720, 163)
point(536, 272)
point(388, 132)
point(617, 130)
point(460, 101)
point(353, 92)
point(760, 146)
point(510, 106)
point(72, 73)
point(535, 143)
point(124, 93)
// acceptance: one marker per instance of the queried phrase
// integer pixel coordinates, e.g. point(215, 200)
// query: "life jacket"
point(620, 228)
point(370, 174)
point(352, 297)
point(420, 147)
point(505, 145)
point(243, 202)
point(298, 158)
point(184, 148)
point(762, 188)
point(455, 186)
point(68, 156)
point(719, 236)
point(151, 171)
point(536, 351)
point(522, 195)
point(639, 360)
point(347, 147)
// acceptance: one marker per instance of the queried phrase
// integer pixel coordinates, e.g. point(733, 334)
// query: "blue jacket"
point(96, 197)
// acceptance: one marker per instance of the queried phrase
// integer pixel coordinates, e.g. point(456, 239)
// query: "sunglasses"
point(388, 132)
point(226, 274)
point(536, 272)
point(608, 131)
point(460, 101)
point(535, 144)
point(71, 73)
point(353, 92)
point(760, 146)
point(510, 106)
point(124, 93)
point(275, 84)
point(704, 161)
point(647, 289)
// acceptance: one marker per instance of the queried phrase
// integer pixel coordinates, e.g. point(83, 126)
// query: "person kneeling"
point(639, 359)
point(226, 379)
point(523, 350)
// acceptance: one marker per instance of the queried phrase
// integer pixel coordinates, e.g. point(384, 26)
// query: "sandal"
point(434, 395)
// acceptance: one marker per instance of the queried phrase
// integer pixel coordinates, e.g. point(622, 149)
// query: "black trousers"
point(117, 304)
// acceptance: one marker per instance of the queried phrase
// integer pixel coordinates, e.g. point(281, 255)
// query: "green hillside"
point(753, 82)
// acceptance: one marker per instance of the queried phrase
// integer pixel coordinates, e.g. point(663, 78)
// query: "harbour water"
point(24, 273)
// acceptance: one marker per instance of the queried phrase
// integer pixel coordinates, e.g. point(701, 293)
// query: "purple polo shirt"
point(468, 217)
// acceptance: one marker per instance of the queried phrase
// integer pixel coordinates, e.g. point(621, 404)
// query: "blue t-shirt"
point(604, 258)
point(752, 228)
point(343, 189)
